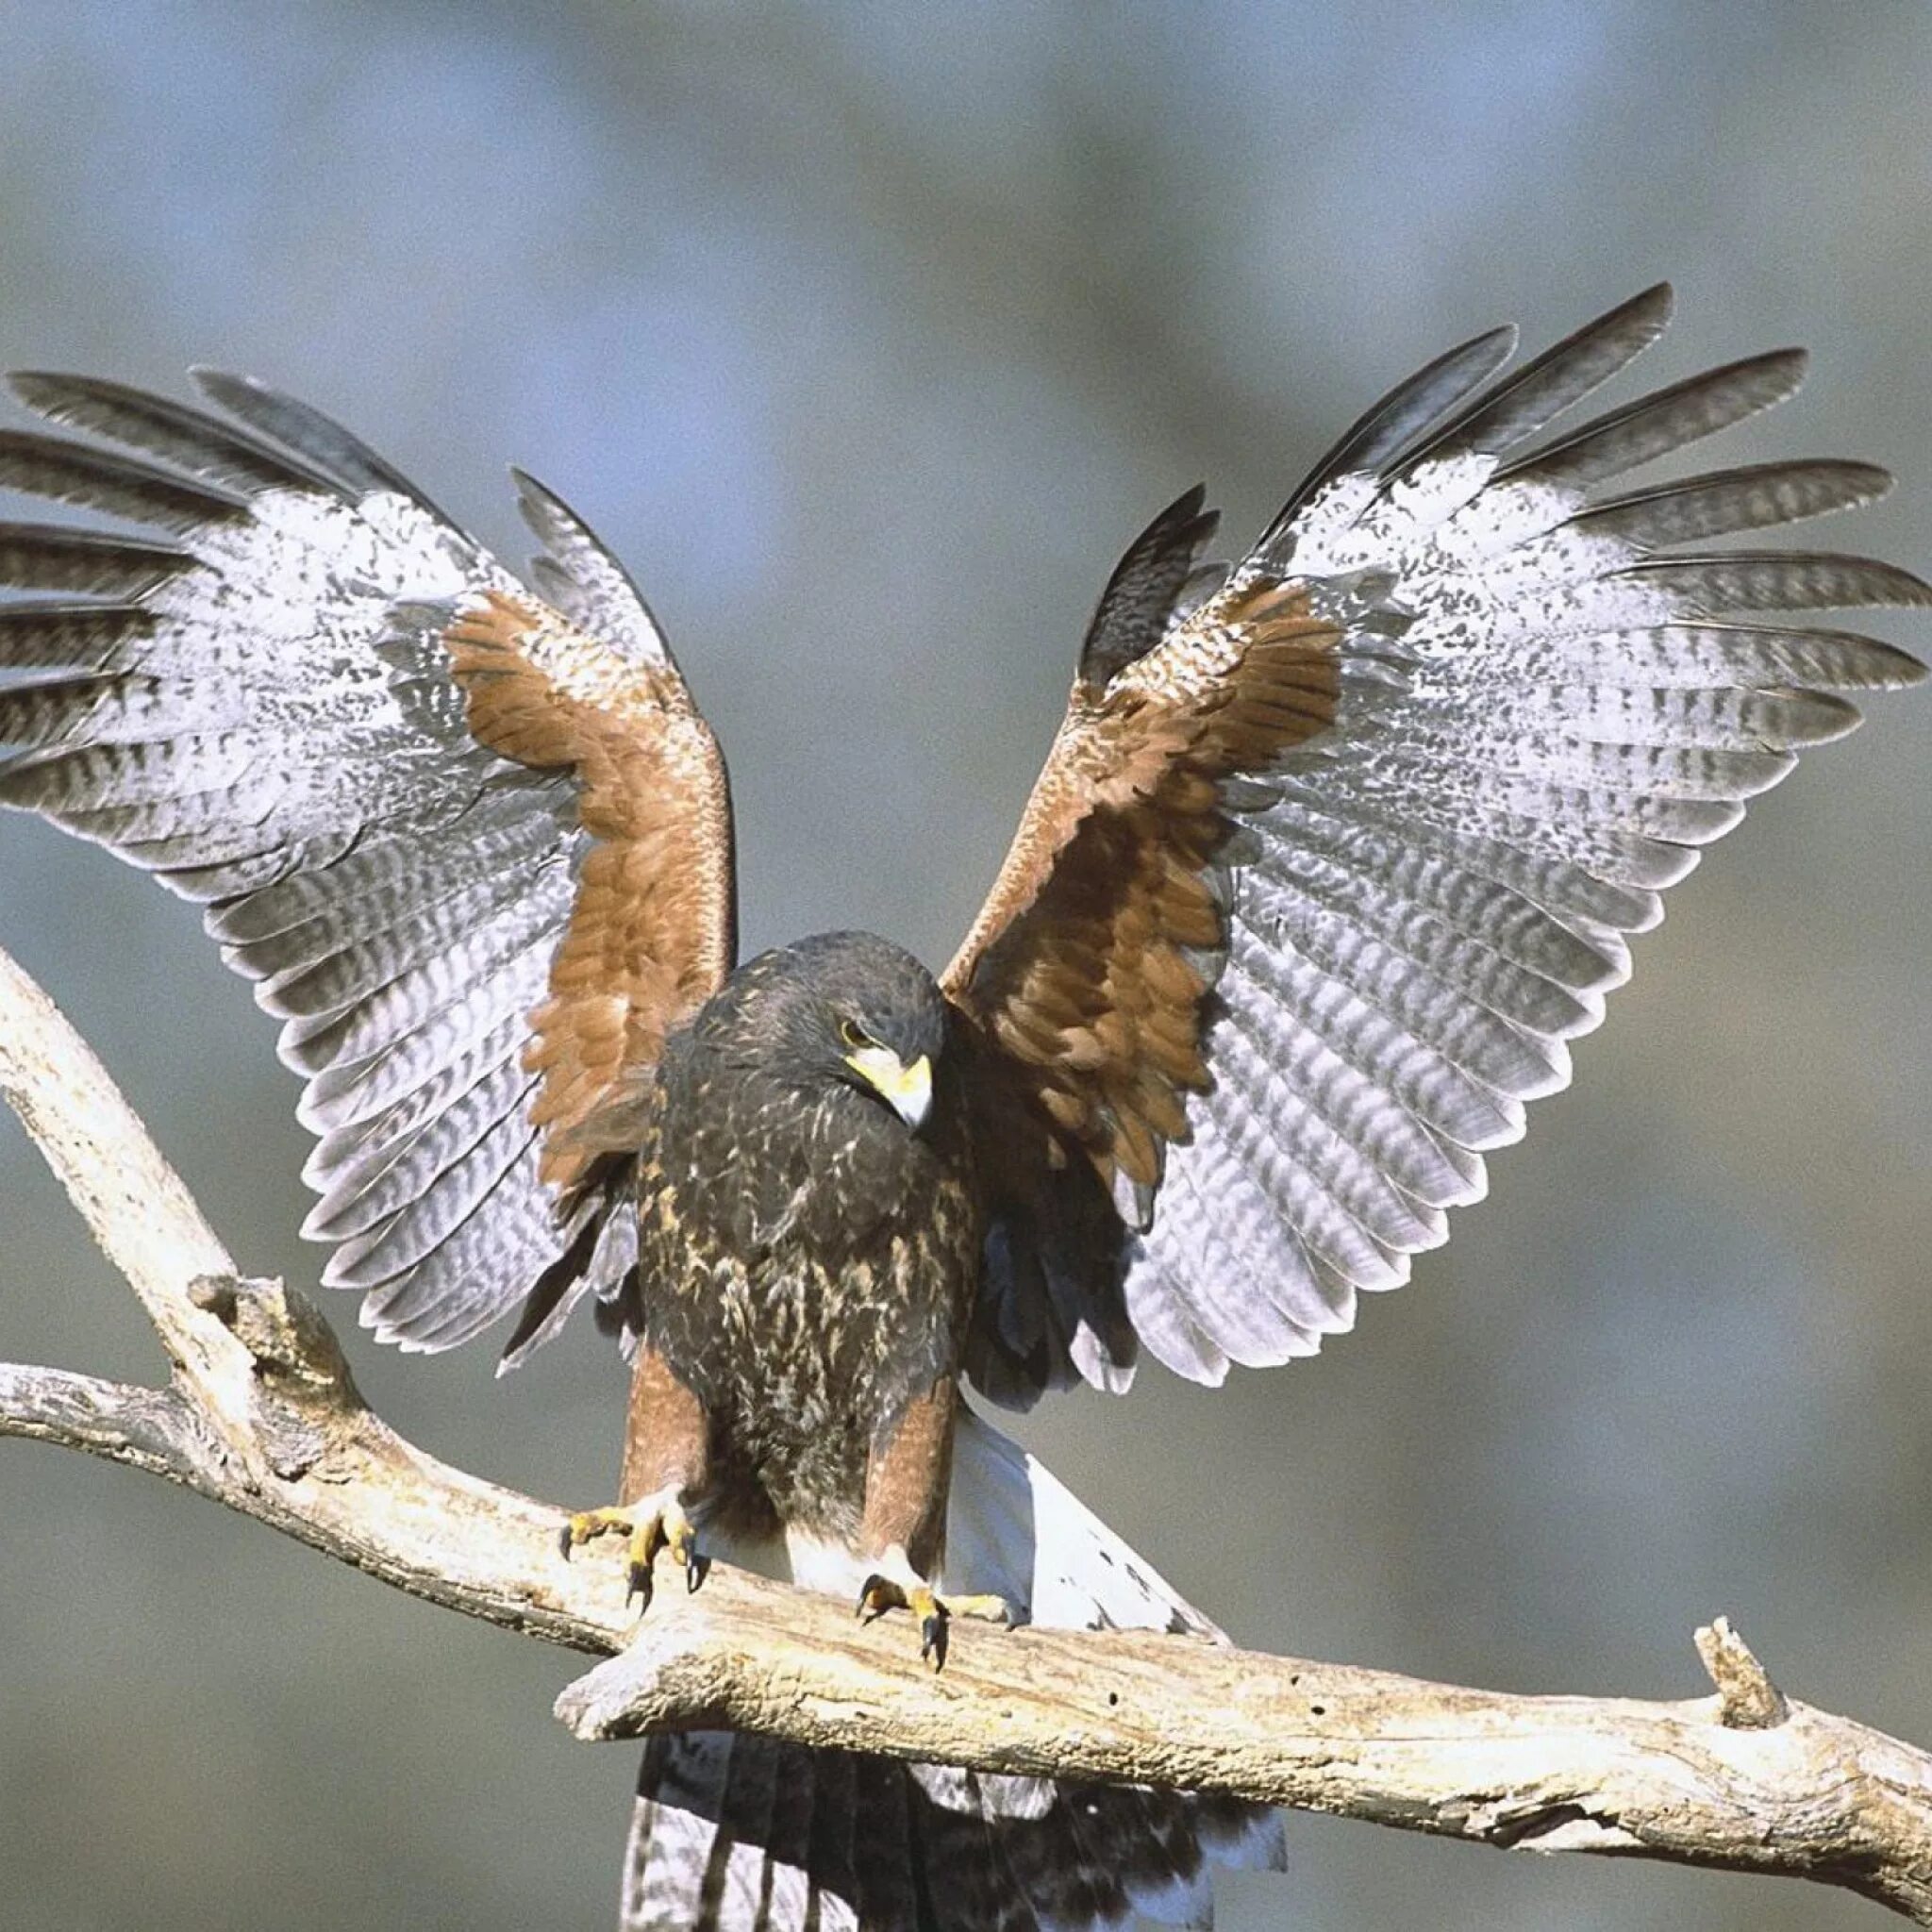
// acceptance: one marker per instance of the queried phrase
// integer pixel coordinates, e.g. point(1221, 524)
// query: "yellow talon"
point(657, 1524)
point(982, 1609)
point(882, 1594)
point(586, 1526)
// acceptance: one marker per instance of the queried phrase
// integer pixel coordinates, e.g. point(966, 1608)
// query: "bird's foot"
point(655, 1524)
point(882, 1592)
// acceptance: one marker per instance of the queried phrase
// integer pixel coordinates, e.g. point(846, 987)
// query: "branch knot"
point(1747, 1700)
point(303, 1388)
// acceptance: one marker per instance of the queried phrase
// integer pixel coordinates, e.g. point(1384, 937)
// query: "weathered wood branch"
point(1704, 1782)
point(261, 1414)
point(148, 1428)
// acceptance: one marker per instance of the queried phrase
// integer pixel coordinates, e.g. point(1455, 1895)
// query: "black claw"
point(696, 1569)
point(639, 1587)
point(564, 1541)
point(868, 1611)
point(932, 1639)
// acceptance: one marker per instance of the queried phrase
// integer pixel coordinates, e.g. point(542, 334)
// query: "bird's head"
point(847, 1009)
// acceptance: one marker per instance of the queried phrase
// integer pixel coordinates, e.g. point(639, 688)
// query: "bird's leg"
point(902, 1534)
point(664, 1457)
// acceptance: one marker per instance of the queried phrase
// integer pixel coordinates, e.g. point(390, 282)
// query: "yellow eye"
point(853, 1034)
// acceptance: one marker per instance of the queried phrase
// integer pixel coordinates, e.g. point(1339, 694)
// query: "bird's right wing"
point(472, 844)
point(1332, 859)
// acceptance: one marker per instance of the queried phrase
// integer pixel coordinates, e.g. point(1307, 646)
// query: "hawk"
point(1336, 849)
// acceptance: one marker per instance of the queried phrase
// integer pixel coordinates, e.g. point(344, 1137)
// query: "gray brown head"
point(844, 1008)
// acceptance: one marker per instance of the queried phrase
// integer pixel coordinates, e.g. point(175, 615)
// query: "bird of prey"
point(1336, 849)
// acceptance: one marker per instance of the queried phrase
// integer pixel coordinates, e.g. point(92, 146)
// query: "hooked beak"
point(907, 1091)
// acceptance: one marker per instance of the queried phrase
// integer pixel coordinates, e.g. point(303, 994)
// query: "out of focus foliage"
point(868, 333)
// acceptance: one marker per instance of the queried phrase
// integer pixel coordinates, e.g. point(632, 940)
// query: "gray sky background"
point(867, 335)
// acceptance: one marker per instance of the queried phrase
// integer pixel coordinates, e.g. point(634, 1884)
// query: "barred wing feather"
point(1536, 711)
point(472, 846)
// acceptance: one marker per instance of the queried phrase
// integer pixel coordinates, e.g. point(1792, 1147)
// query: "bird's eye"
point(852, 1033)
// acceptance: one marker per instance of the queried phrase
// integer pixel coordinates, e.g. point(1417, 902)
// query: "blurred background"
point(868, 335)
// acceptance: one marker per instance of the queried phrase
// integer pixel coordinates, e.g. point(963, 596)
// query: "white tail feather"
point(1007, 1849)
point(1015, 1530)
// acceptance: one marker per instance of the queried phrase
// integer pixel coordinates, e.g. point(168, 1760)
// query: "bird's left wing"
point(1334, 855)
point(472, 844)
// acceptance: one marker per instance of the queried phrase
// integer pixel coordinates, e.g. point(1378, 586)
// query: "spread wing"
point(1332, 859)
point(473, 845)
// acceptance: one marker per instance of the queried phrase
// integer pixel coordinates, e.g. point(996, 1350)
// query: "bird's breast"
point(807, 1278)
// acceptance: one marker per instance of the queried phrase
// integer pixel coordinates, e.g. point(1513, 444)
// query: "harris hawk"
point(1336, 849)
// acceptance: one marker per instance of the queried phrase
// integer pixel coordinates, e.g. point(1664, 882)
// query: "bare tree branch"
point(283, 1434)
point(263, 1415)
point(149, 1428)
point(1704, 1782)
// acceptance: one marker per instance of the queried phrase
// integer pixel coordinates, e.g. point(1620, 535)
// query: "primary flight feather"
point(1336, 850)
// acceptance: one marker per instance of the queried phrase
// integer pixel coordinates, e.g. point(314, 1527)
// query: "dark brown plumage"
point(812, 1255)
point(1335, 852)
